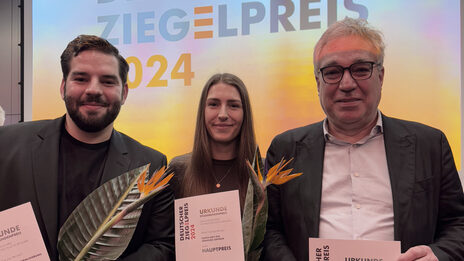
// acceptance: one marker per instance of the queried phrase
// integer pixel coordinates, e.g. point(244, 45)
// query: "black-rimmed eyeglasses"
point(359, 71)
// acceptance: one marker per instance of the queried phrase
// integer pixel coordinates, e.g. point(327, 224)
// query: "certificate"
point(353, 250)
point(20, 237)
point(209, 227)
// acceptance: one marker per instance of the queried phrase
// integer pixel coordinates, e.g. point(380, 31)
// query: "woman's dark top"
point(223, 174)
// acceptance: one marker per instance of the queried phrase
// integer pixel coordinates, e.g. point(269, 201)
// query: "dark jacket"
point(428, 200)
point(29, 173)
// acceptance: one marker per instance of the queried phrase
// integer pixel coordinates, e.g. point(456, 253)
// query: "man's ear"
point(125, 92)
point(318, 81)
point(63, 88)
point(381, 75)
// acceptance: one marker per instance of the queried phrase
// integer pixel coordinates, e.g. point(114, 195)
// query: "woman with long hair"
point(224, 140)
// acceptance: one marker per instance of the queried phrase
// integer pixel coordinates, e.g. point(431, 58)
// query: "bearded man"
point(55, 164)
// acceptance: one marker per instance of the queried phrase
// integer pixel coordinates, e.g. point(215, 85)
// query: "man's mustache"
point(93, 99)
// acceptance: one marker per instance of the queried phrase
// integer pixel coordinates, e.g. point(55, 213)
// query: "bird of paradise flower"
point(256, 206)
point(136, 191)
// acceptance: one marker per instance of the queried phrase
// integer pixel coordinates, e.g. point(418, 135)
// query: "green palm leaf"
point(255, 211)
point(102, 225)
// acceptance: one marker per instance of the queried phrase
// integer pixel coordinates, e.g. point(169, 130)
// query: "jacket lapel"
point(400, 148)
point(310, 188)
point(118, 160)
point(45, 173)
point(45, 156)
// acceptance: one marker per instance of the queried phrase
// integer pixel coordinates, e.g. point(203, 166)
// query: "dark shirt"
point(225, 174)
point(225, 171)
point(80, 172)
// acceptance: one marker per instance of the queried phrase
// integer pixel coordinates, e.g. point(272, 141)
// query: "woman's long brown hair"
point(198, 177)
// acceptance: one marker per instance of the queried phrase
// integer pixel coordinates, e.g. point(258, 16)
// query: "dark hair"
point(91, 42)
point(198, 177)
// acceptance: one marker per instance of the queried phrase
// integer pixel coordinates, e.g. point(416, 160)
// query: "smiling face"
point(223, 113)
point(93, 91)
point(350, 104)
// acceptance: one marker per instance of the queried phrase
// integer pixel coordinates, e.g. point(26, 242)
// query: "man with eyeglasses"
point(366, 175)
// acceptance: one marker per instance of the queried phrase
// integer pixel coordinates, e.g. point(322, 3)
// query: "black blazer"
point(428, 200)
point(29, 172)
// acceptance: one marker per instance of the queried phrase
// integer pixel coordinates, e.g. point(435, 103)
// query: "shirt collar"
point(375, 131)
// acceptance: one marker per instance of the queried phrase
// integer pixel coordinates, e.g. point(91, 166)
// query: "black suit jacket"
point(29, 173)
point(428, 200)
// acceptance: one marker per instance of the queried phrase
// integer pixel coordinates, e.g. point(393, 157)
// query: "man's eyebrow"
point(79, 74)
point(359, 60)
point(332, 63)
point(110, 76)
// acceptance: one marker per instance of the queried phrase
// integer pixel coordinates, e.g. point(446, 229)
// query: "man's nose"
point(94, 87)
point(347, 83)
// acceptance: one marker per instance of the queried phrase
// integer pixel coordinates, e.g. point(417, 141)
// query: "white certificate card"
point(353, 250)
point(209, 227)
point(20, 237)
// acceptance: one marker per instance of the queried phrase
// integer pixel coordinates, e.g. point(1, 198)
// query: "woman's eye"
point(235, 105)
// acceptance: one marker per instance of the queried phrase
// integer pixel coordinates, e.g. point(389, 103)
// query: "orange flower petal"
point(159, 174)
point(276, 174)
point(154, 182)
point(141, 180)
point(283, 179)
point(164, 181)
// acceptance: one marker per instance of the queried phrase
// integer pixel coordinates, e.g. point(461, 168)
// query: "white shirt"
point(356, 200)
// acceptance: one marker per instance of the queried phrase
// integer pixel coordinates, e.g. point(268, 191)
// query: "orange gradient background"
point(422, 68)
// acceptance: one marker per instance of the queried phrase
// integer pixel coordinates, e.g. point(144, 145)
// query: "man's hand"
point(419, 253)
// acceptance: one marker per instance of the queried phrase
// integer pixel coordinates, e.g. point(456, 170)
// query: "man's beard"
point(90, 122)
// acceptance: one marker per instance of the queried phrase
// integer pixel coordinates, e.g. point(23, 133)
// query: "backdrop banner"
point(173, 47)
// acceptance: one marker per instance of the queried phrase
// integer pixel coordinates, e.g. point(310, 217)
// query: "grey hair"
point(347, 27)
